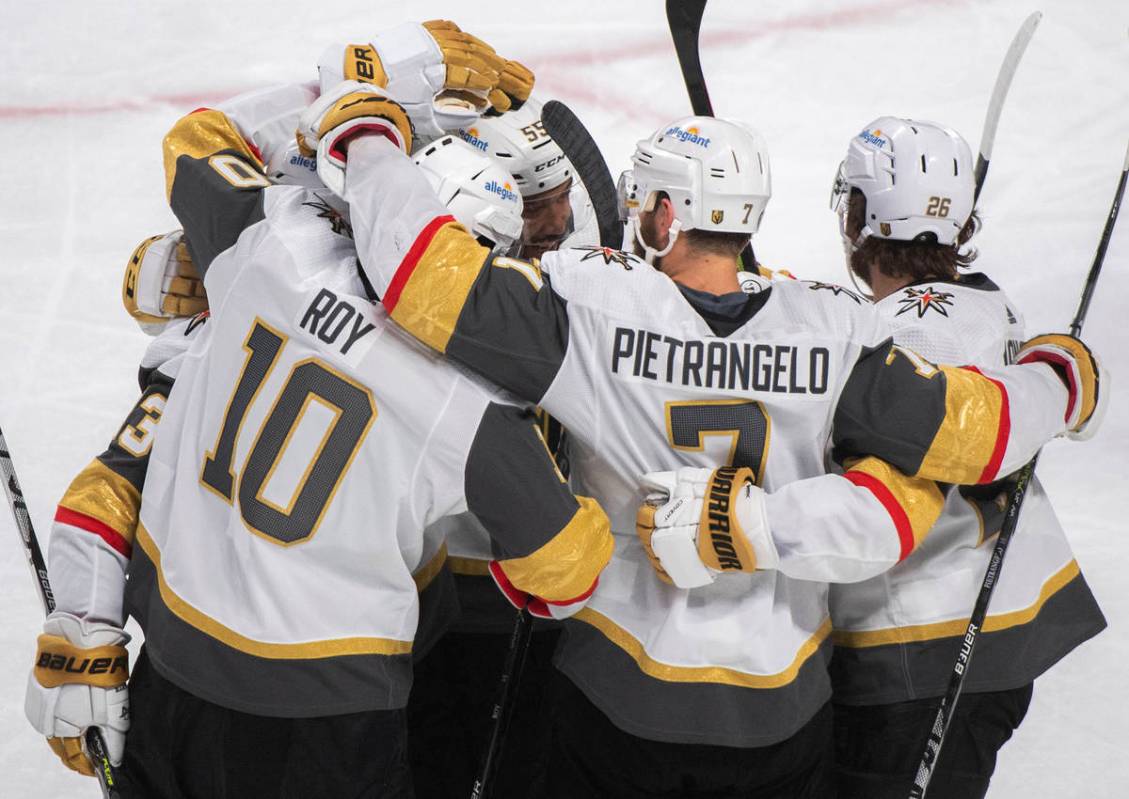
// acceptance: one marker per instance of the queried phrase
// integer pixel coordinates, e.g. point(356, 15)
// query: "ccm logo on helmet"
point(549, 163)
point(874, 138)
point(688, 135)
point(506, 192)
point(55, 662)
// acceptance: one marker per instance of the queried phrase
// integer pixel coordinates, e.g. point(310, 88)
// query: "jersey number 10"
point(310, 380)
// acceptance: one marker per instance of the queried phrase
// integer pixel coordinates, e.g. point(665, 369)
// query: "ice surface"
point(90, 87)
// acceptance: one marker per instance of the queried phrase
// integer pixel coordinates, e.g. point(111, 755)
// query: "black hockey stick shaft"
point(999, 94)
point(585, 156)
point(504, 703)
point(1099, 256)
point(1011, 519)
point(95, 744)
point(685, 20)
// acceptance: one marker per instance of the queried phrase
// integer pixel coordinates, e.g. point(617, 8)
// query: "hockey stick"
point(503, 709)
point(999, 94)
point(684, 17)
point(585, 156)
point(992, 575)
point(685, 20)
point(95, 745)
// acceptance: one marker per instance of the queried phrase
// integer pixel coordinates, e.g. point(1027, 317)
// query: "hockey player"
point(725, 688)
point(449, 712)
point(557, 211)
point(306, 447)
point(905, 224)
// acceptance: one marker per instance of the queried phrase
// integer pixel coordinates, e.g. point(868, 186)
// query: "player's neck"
point(882, 286)
point(709, 272)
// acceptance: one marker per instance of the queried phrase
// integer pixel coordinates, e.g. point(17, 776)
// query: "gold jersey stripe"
point(101, 493)
point(198, 136)
point(434, 295)
point(568, 565)
point(309, 650)
point(968, 436)
point(957, 627)
point(702, 674)
point(470, 566)
point(430, 570)
point(921, 499)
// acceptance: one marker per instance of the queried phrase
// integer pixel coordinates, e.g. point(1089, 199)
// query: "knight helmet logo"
point(717, 215)
point(884, 228)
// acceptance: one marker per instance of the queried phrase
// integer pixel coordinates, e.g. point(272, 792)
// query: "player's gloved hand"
point(444, 77)
point(537, 606)
point(345, 111)
point(161, 283)
point(696, 524)
point(514, 87)
point(79, 681)
point(1080, 369)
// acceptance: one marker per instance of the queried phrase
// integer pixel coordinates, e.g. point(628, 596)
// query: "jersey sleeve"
point(548, 542)
point(95, 522)
point(953, 424)
point(499, 316)
point(214, 183)
point(849, 527)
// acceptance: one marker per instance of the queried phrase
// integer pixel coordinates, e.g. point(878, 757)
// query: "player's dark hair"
point(713, 242)
point(921, 259)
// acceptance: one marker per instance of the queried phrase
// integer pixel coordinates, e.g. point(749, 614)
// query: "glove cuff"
point(59, 662)
point(722, 544)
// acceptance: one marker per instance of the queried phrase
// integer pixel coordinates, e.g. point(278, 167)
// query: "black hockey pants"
point(878, 747)
point(181, 747)
point(591, 758)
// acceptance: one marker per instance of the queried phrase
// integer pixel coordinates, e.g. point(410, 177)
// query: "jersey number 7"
point(310, 381)
point(744, 421)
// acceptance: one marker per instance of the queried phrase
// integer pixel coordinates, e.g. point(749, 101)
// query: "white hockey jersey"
point(643, 382)
point(897, 635)
point(304, 448)
point(267, 119)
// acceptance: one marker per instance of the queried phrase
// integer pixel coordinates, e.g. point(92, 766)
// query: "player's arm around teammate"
point(442, 288)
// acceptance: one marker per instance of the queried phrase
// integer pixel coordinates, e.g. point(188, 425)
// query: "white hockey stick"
point(999, 94)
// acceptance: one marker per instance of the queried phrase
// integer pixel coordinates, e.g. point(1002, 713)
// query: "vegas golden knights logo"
point(884, 228)
point(716, 215)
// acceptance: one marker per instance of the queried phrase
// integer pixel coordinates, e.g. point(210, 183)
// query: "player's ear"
point(664, 217)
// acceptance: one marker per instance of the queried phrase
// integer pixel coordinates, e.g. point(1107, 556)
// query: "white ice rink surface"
point(88, 87)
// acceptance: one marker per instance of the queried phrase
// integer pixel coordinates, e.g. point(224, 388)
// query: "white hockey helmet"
point(917, 178)
point(479, 193)
point(715, 171)
point(520, 143)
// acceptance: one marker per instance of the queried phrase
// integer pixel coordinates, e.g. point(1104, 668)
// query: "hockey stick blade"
point(581, 150)
point(976, 621)
point(95, 743)
point(999, 94)
point(685, 20)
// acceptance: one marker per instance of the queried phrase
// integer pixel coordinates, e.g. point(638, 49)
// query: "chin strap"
point(649, 252)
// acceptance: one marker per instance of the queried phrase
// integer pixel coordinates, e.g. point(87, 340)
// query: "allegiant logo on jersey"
point(505, 191)
point(688, 135)
point(721, 364)
point(470, 136)
point(874, 138)
point(301, 160)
